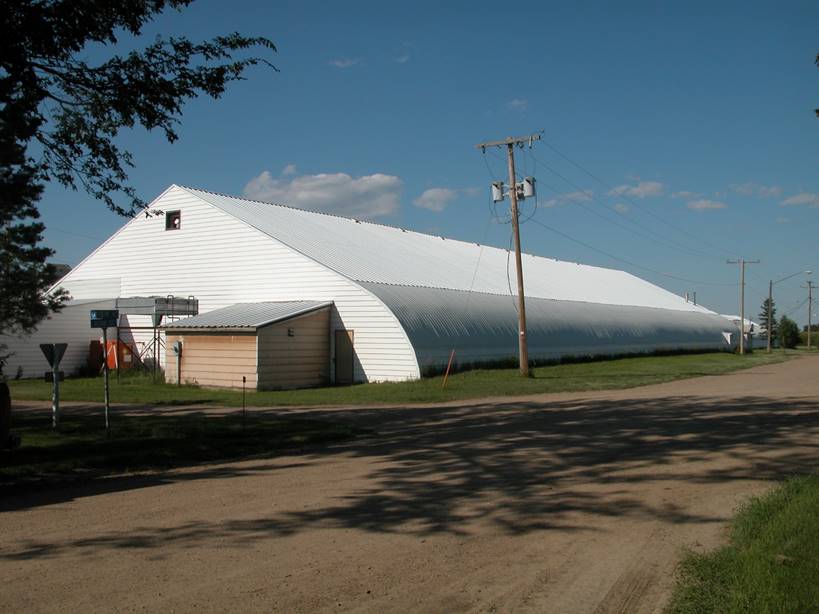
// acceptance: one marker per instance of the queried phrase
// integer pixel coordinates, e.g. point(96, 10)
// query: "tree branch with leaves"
point(60, 117)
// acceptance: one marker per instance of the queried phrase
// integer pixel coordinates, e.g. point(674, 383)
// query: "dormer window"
point(173, 220)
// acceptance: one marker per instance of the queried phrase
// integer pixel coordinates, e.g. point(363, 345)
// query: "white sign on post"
point(54, 353)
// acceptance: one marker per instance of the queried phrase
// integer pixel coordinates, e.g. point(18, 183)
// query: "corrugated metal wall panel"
point(222, 261)
point(483, 327)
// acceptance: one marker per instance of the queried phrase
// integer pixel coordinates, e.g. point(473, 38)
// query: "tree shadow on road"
point(516, 467)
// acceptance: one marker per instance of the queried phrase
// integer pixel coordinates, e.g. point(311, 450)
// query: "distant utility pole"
point(810, 288)
point(771, 284)
point(527, 188)
point(742, 262)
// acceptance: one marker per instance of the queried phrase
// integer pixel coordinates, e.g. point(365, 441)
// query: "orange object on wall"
point(122, 355)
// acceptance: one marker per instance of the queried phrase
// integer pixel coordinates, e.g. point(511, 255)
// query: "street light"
point(770, 301)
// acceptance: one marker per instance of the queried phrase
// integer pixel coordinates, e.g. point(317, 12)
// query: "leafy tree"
point(763, 317)
point(788, 333)
point(60, 117)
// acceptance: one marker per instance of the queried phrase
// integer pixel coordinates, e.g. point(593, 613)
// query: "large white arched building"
point(408, 298)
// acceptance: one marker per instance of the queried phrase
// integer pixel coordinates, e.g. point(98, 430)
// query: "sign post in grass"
point(53, 353)
point(104, 319)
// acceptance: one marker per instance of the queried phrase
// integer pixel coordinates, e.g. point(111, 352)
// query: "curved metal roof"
point(481, 327)
point(374, 253)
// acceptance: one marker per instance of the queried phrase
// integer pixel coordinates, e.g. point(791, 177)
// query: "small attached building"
point(274, 345)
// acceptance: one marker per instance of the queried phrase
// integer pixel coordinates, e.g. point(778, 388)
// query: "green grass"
point(814, 340)
point(81, 445)
point(598, 375)
point(771, 563)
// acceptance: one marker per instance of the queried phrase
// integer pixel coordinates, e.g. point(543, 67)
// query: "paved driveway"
point(559, 503)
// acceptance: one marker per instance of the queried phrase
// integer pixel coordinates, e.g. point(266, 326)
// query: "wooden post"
point(448, 367)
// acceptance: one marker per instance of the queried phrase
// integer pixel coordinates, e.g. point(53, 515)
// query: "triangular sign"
point(59, 351)
point(53, 352)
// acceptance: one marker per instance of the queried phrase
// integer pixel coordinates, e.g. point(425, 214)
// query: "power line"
point(665, 241)
point(628, 262)
point(797, 308)
point(606, 218)
point(632, 202)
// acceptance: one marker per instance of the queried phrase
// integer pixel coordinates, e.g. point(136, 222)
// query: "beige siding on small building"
point(214, 359)
point(298, 361)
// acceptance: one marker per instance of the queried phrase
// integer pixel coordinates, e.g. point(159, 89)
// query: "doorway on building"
point(344, 357)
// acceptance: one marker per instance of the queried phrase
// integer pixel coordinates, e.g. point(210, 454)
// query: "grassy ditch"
point(82, 447)
point(599, 375)
point(770, 564)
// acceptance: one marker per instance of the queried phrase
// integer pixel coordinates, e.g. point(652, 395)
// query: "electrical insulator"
point(528, 187)
point(497, 191)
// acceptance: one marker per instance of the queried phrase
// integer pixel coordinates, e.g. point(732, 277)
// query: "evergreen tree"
point(763, 317)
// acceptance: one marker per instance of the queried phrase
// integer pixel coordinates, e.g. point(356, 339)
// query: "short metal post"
point(244, 411)
point(117, 349)
point(55, 395)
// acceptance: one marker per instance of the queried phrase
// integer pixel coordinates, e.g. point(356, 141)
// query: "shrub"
point(788, 333)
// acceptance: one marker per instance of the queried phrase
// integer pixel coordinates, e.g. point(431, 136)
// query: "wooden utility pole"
point(742, 262)
point(769, 326)
point(810, 288)
point(510, 143)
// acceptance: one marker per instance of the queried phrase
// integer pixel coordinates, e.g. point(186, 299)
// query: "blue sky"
point(697, 118)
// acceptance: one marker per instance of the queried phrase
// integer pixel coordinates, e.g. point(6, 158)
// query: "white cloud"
point(571, 197)
point(804, 198)
point(518, 104)
point(705, 204)
point(436, 199)
point(472, 191)
point(622, 208)
point(754, 189)
point(404, 54)
point(344, 62)
point(686, 195)
point(290, 169)
point(365, 197)
point(642, 189)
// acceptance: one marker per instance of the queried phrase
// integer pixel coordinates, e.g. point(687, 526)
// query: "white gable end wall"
point(72, 325)
point(221, 261)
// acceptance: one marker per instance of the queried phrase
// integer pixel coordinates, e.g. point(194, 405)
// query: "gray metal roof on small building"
point(250, 315)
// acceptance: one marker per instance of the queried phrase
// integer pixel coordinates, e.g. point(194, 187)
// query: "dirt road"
point(561, 503)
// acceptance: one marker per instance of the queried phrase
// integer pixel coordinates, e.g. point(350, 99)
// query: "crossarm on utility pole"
point(510, 140)
point(510, 143)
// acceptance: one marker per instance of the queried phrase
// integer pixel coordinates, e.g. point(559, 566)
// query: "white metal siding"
point(72, 325)
point(222, 260)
